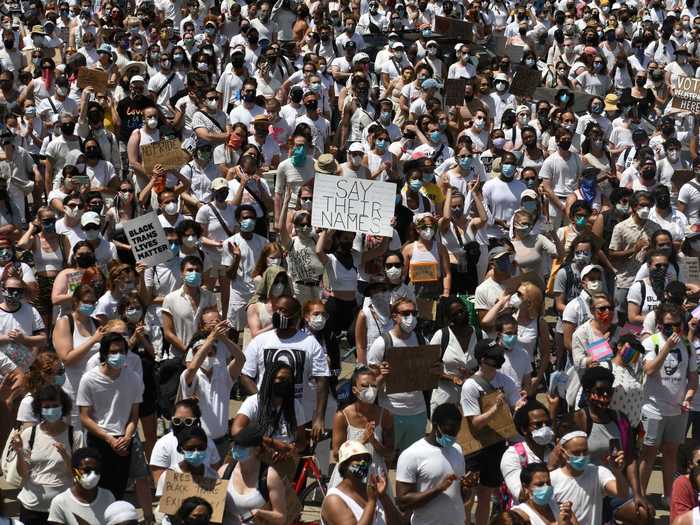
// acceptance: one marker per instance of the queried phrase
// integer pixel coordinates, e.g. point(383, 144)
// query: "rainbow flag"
point(629, 355)
point(599, 350)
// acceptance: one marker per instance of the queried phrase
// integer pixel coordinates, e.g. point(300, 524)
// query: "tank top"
point(340, 278)
point(424, 256)
point(451, 241)
point(535, 518)
point(47, 261)
point(145, 139)
point(76, 370)
point(356, 510)
point(244, 503)
point(422, 199)
point(376, 324)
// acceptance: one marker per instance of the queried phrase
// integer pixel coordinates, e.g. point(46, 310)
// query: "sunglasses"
point(406, 313)
point(603, 308)
point(186, 421)
point(393, 265)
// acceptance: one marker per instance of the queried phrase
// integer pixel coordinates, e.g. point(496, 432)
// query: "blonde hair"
point(115, 324)
point(533, 295)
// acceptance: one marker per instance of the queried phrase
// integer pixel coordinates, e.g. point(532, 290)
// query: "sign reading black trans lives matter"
point(147, 239)
point(353, 205)
point(686, 94)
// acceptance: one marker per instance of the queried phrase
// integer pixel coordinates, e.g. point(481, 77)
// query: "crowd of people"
point(547, 240)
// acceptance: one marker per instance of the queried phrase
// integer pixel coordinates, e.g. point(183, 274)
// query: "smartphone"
point(81, 179)
point(615, 446)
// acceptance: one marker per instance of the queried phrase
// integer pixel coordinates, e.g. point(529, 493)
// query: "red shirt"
point(683, 497)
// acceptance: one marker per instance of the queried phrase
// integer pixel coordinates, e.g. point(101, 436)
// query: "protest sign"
point(179, 486)
point(147, 239)
point(453, 27)
point(689, 270)
point(498, 428)
point(423, 272)
point(94, 78)
point(167, 153)
point(525, 81)
point(353, 205)
point(581, 99)
point(686, 94)
point(409, 368)
point(454, 91)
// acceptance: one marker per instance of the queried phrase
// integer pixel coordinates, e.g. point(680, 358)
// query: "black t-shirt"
point(130, 112)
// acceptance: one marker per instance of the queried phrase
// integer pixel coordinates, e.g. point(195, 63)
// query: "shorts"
point(138, 468)
point(487, 462)
point(408, 430)
point(667, 429)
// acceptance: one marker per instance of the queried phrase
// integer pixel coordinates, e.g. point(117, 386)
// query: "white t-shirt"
point(65, 508)
point(251, 407)
point(511, 466)
point(302, 352)
point(453, 361)
point(472, 392)
point(517, 364)
point(585, 492)
point(404, 403)
point(646, 303)
point(165, 454)
point(27, 320)
point(562, 174)
point(426, 466)
point(213, 394)
point(665, 389)
point(502, 199)
point(111, 399)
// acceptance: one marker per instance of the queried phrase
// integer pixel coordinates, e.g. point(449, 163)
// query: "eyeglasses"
point(406, 313)
point(607, 308)
point(186, 421)
point(212, 99)
point(393, 265)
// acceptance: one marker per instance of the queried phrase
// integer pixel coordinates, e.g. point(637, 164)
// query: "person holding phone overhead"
point(609, 432)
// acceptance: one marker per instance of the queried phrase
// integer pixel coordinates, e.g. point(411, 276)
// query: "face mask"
point(510, 340)
point(51, 414)
point(529, 62)
point(435, 136)
point(209, 363)
point(465, 163)
point(480, 123)
point(67, 128)
point(85, 260)
point(581, 222)
point(426, 234)
point(579, 462)
point(415, 184)
point(195, 457)
point(89, 481)
point(623, 209)
point(643, 213)
point(508, 171)
point(543, 435)
point(501, 86)
point(445, 440)
point(247, 225)
point(408, 323)
point(59, 379)
point(92, 235)
point(170, 208)
point(178, 58)
point(298, 155)
point(116, 360)
point(515, 301)
point(203, 66)
point(277, 289)
point(673, 156)
point(152, 122)
point(367, 395)
point(530, 206)
point(190, 241)
point(283, 388)
point(499, 142)
point(175, 248)
point(240, 453)
point(663, 201)
point(193, 279)
point(282, 321)
point(594, 287)
point(133, 314)
point(564, 144)
point(522, 229)
point(303, 231)
point(393, 274)
point(360, 471)
point(542, 495)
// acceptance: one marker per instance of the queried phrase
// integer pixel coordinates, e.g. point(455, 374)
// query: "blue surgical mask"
point(175, 248)
point(542, 495)
point(59, 379)
point(415, 184)
point(51, 414)
point(579, 462)
point(240, 453)
point(581, 222)
point(465, 163)
point(445, 440)
point(86, 309)
point(116, 360)
point(510, 340)
point(247, 225)
point(193, 278)
point(195, 457)
point(530, 206)
point(298, 155)
point(435, 136)
point(427, 178)
point(381, 144)
point(508, 171)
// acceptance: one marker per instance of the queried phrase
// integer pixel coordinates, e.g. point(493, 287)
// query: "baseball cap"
point(359, 57)
point(90, 217)
point(497, 252)
point(356, 147)
point(120, 512)
point(136, 78)
point(397, 45)
point(219, 183)
point(429, 83)
point(532, 194)
point(588, 269)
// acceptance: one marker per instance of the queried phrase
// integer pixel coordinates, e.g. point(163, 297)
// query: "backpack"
point(505, 498)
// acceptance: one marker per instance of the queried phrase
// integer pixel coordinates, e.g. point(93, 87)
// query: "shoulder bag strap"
point(168, 81)
point(213, 120)
point(220, 218)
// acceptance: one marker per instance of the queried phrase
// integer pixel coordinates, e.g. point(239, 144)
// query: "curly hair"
point(41, 370)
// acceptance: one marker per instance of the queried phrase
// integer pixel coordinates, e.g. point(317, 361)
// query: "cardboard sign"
point(689, 268)
point(686, 94)
point(147, 239)
point(167, 153)
point(581, 99)
point(454, 91)
point(423, 272)
point(180, 486)
point(409, 368)
point(452, 27)
point(94, 78)
point(525, 81)
point(499, 427)
point(353, 205)
point(680, 177)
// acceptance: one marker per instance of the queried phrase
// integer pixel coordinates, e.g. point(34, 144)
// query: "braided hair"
point(268, 419)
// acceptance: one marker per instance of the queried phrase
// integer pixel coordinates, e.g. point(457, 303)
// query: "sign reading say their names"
point(179, 486)
point(167, 153)
point(94, 78)
point(686, 94)
point(147, 239)
point(353, 205)
point(409, 368)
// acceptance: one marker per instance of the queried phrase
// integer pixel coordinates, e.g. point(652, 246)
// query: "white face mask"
point(317, 322)
point(643, 213)
point(543, 435)
point(276, 289)
point(394, 274)
point(273, 261)
point(426, 234)
point(673, 156)
point(170, 208)
point(515, 301)
point(408, 323)
point(90, 480)
point(367, 395)
point(213, 105)
point(355, 160)
point(595, 286)
point(152, 122)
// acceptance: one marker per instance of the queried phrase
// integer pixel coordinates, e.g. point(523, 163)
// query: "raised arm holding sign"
point(147, 239)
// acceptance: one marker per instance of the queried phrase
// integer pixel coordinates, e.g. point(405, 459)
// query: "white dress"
point(535, 517)
point(379, 518)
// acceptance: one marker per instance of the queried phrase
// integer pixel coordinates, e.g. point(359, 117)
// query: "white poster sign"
point(353, 205)
point(147, 239)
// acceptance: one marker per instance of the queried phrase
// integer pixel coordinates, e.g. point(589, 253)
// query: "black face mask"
point(85, 260)
point(220, 196)
point(648, 174)
point(253, 39)
point(92, 153)
point(237, 61)
point(94, 118)
point(565, 144)
point(663, 201)
point(296, 96)
point(67, 128)
point(283, 389)
point(312, 105)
